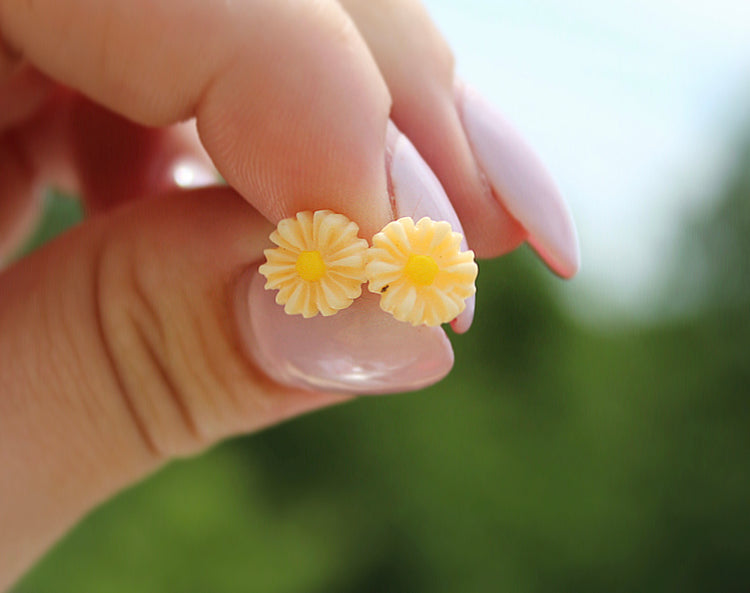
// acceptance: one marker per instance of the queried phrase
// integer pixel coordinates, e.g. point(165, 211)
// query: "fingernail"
point(360, 350)
point(520, 181)
point(416, 192)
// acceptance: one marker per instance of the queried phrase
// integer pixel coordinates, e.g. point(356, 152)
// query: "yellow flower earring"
point(319, 264)
point(420, 272)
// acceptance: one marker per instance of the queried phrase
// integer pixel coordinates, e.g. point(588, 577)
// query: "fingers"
point(521, 182)
point(289, 103)
point(497, 184)
point(143, 334)
point(418, 67)
point(80, 147)
point(319, 99)
point(119, 348)
point(116, 160)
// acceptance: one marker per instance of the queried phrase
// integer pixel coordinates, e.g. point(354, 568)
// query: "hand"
point(138, 336)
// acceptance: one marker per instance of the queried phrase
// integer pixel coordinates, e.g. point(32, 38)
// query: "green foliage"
point(714, 273)
point(553, 458)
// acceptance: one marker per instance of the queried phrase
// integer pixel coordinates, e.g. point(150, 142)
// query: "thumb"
point(119, 349)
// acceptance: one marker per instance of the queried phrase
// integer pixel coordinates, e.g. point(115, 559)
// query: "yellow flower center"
point(310, 266)
point(421, 269)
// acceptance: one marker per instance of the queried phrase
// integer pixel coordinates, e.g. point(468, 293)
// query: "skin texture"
point(117, 356)
point(417, 64)
point(119, 343)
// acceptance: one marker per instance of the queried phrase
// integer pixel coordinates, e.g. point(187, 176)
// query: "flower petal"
point(334, 238)
point(443, 298)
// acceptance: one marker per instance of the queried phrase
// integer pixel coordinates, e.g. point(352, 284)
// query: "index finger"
point(288, 100)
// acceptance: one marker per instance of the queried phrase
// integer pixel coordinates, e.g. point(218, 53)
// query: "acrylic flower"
point(319, 264)
point(420, 272)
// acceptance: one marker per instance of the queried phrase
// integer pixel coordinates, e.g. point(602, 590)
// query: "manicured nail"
point(416, 192)
point(520, 181)
point(360, 350)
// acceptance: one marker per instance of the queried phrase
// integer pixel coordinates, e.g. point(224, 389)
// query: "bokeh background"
point(594, 435)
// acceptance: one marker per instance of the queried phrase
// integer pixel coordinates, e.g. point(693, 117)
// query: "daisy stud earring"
point(420, 272)
point(319, 264)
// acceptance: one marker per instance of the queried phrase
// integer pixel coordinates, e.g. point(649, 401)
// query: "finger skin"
point(418, 66)
point(116, 160)
point(119, 350)
point(289, 102)
point(22, 92)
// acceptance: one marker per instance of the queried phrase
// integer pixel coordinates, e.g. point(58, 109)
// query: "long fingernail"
point(416, 192)
point(360, 350)
point(520, 181)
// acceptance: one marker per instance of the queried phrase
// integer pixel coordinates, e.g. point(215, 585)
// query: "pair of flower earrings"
point(418, 269)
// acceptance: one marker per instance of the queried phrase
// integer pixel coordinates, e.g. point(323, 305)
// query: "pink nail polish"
point(416, 192)
point(521, 182)
point(360, 350)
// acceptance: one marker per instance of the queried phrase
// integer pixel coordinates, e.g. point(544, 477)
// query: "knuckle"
point(138, 341)
point(174, 349)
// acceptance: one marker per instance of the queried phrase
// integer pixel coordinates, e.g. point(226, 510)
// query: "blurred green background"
point(558, 456)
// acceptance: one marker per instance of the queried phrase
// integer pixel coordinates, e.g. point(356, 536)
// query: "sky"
point(631, 103)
